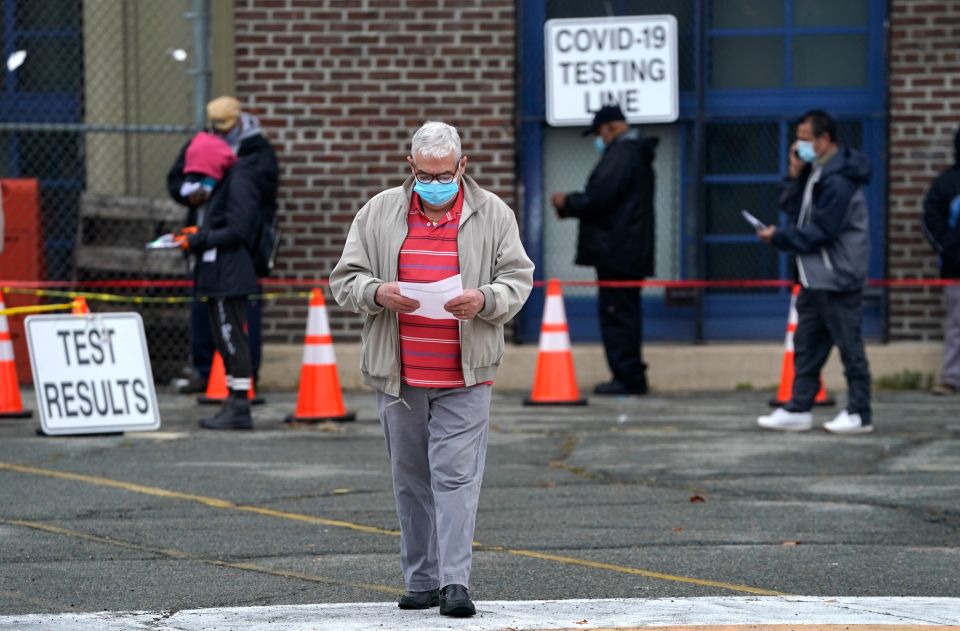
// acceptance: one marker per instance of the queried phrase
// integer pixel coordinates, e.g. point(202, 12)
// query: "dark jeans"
point(828, 319)
point(201, 337)
point(621, 327)
point(228, 324)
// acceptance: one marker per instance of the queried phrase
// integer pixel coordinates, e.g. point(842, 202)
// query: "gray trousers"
point(828, 318)
point(951, 337)
point(437, 444)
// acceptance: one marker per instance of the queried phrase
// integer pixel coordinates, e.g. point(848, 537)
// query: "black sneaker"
point(419, 600)
point(455, 602)
point(235, 414)
point(615, 387)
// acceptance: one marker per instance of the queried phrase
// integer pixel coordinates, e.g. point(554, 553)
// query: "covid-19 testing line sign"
point(629, 61)
point(92, 373)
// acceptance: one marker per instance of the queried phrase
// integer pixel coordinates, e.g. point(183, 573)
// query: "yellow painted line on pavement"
point(199, 499)
point(596, 565)
point(172, 553)
point(310, 519)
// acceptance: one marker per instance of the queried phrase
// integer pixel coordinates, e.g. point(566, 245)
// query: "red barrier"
point(21, 259)
point(314, 282)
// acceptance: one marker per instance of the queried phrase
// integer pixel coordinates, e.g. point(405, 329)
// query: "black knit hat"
point(606, 114)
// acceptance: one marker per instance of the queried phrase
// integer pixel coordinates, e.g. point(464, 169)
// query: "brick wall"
point(924, 114)
point(341, 85)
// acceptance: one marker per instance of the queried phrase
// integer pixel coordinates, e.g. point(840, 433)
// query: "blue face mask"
point(598, 144)
point(435, 193)
point(805, 151)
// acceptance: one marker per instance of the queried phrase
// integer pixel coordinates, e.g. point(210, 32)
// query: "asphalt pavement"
point(657, 497)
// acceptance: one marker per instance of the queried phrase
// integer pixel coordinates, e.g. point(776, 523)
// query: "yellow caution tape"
point(12, 311)
point(100, 297)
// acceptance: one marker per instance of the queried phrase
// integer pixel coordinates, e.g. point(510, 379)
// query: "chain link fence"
point(98, 97)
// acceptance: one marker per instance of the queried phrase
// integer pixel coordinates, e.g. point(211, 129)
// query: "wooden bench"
point(112, 232)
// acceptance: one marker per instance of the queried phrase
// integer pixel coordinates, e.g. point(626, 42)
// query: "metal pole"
point(699, 151)
point(200, 15)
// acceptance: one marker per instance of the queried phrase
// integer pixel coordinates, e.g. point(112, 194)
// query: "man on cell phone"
point(828, 232)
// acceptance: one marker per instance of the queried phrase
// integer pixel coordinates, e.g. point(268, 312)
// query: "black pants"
point(621, 328)
point(827, 319)
point(228, 322)
point(202, 344)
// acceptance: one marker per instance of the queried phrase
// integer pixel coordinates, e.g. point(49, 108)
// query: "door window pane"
point(742, 148)
point(741, 261)
point(746, 62)
point(725, 201)
point(52, 65)
point(51, 155)
point(830, 13)
point(830, 61)
point(5, 166)
point(850, 133)
point(44, 15)
point(747, 14)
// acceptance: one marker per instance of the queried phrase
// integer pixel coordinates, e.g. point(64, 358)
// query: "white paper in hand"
point(163, 242)
point(753, 221)
point(432, 296)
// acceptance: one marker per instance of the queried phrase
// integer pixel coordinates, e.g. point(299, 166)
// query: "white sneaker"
point(784, 421)
point(846, 423)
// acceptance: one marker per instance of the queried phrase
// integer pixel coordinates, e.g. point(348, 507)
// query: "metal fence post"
point(200, 16)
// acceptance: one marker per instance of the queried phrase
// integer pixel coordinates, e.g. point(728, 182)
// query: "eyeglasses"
point(443, 178)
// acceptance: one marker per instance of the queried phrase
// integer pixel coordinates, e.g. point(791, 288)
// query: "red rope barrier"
point(315, 282)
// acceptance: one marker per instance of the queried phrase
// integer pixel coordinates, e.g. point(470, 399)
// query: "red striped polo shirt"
point(430, 349)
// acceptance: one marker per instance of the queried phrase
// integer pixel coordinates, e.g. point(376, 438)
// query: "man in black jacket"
point(617, 237)
point(243, 133)
point(941, 225)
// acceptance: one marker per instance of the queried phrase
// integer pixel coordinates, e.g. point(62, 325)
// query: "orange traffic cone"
point(217, 391)
point(11, 406)
point(555, 381)
point(319, 397)
point(785, 391)
point(79, 306)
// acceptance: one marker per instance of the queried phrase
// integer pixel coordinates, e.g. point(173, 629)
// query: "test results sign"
point(92, 373)
point(630, 61)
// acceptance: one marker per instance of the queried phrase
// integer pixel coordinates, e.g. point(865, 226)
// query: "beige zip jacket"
point(492, 259)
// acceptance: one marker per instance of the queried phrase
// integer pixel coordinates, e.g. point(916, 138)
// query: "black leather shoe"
point(235, 414)
point(615, 387)
point(419, 600)
point(455, 602)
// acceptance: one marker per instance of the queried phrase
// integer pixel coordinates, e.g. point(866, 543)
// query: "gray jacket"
point(831, 241)
point(492, 259)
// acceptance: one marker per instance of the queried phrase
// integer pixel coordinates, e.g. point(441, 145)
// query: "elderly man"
point(434, 376)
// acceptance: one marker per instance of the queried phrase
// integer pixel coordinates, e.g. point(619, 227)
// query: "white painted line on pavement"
point(518, 615)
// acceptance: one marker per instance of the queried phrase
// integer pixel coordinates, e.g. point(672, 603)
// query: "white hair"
point(435, 140)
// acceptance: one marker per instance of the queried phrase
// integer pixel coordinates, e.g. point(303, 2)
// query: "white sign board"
point(92, 373)
point(630, 61)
